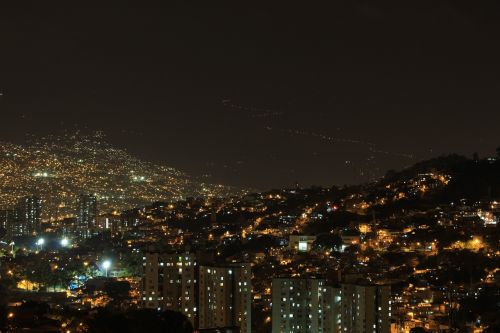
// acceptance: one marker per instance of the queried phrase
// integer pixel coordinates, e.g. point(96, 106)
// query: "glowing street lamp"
point(40, 243)
point(64, 242)
point(106, 265)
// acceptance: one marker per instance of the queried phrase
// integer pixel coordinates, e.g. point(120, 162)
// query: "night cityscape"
point(232, 167)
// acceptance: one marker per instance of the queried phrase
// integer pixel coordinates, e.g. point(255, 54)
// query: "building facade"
point(366, 308)
point(9, 219)
point(86, 216)
point(29, 222)
point(301, 243)
point(225, 296)
point(169, 283)
point(210, 296)
point(302, 305)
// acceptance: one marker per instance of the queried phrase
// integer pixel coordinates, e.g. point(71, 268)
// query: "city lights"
point(310, 167)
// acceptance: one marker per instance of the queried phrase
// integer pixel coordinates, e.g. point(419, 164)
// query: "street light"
point(106, 265)
point(40, 243)
point(64, 242)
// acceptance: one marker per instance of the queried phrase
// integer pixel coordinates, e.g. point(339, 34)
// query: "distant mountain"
point(58, 168)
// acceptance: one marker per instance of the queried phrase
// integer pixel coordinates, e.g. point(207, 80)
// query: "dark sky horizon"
point(259, 95)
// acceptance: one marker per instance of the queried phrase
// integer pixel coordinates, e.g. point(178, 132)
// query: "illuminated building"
point(305, 306)
point(210, 296)
point(86, 216)
point(29, 222)
point(8, 220)
point(225, 296)
point(301, 243)
point(109, 222)
point(169, 283)
point(366, 308)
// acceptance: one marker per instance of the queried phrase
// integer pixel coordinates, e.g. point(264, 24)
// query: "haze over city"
point(258, 96)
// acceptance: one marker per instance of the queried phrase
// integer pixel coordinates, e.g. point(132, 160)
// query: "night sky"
point(258, 94)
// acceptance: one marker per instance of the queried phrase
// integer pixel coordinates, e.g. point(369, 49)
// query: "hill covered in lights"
point(58, 168)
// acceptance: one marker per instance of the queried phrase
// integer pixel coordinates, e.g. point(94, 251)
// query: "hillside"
point(57, 168)
point(473, 179)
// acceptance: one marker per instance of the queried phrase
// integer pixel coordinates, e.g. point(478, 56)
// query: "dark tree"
point(138, 321)
point(328, 241)
point(3, 317)
point(117, 290)
point(418, 330)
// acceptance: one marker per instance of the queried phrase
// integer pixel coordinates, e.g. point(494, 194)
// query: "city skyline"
point(248, 167)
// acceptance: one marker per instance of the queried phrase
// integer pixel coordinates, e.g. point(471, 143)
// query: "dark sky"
point(258, 94)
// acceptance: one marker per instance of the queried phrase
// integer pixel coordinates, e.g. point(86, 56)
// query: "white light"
point(64, 242)
point(40, 242)
point(303, 246)
point(106, 264)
